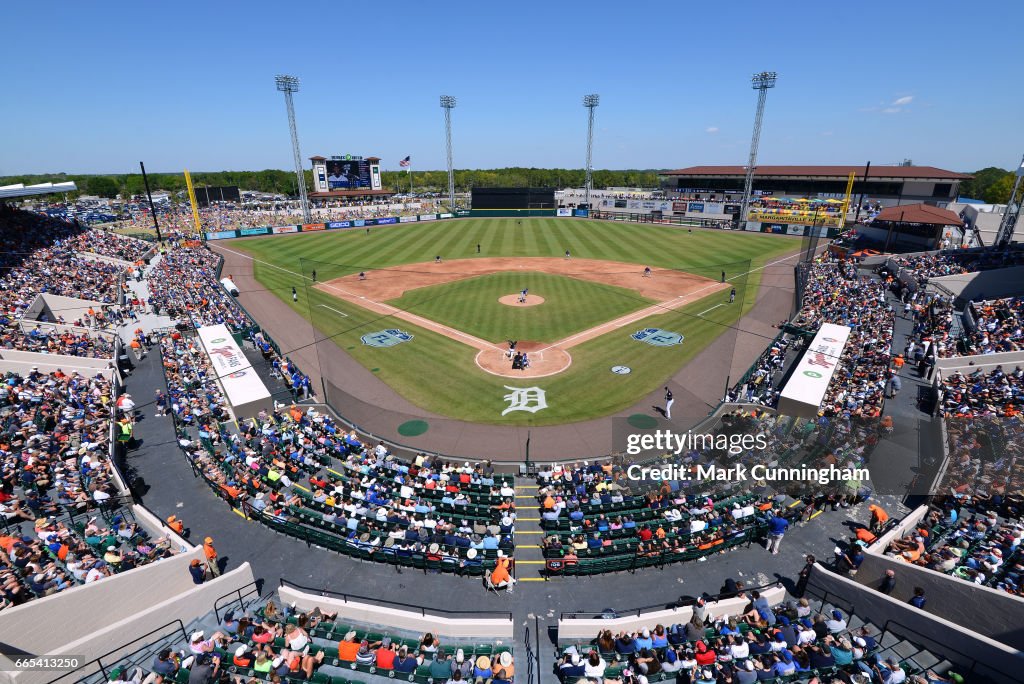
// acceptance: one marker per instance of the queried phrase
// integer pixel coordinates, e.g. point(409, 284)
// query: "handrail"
point(377, 600)
point(98, 659)
point(239, 597)
point(573, 614)
point(944, 647)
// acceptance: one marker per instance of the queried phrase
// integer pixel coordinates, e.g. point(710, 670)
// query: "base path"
point(672, 289)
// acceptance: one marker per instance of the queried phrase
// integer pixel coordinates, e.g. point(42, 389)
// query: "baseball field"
point(430, 307)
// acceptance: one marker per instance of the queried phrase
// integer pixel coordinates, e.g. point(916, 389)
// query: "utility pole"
point(590, 102)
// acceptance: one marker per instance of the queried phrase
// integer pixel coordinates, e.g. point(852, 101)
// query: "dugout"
point(513, 202)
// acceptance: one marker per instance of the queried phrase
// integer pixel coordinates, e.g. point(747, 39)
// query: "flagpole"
point(410, 180)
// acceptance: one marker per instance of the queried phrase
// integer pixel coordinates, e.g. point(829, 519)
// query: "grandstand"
point(306, 547)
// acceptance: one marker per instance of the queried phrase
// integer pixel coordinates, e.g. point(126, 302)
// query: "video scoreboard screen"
point(348, 172)
point(514, 198)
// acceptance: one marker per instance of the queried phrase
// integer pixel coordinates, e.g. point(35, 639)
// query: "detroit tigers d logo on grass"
point(530, 399)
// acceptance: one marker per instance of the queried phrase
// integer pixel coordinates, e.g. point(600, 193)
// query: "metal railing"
point(424, 611)
point(98, 661)
point(252, 588)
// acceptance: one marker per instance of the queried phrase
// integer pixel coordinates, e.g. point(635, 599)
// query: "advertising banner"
point(385, 221)
point(359, 223)
point(220, 235)
point(428, 217)
point(407, 219)
point(311, 227)
point(262, 230)
point(695, 207)
point(277, 230)
point(679, 207)
point(582, 213)
point(242, 386)
point(444, 216)
point(620, 204)
point(564, 212)
point(804, 218)
point(331, 225)
point(808, 382)
point(714, 208)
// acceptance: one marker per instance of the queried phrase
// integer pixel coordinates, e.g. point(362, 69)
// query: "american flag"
point(405, 163)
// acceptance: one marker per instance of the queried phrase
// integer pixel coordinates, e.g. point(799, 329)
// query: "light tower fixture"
point(448, 104)
point(1012, 214)
point(760, 82)
point(288, 85)
point(590, 102)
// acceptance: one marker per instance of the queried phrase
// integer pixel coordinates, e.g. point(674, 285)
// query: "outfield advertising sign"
point(428, 217)
point(563, 212)
point(450, 216)
point(220, 235)
point(385, 221)
point(311, 227)
point(407, 219)
point(254, 231)
point(808, 382)
point(359, 223)
point(696, 207)
point(279, 230)
point(332, 225)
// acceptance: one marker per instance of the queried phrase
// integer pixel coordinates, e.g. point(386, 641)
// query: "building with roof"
point(912, 227)
point(884, 185)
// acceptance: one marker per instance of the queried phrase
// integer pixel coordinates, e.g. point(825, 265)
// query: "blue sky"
point(95, 87)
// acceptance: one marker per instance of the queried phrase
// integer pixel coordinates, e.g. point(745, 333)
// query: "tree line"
point(283, 182)
point(990, 184)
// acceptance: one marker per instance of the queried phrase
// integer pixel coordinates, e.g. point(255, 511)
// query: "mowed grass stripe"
point(440, 375)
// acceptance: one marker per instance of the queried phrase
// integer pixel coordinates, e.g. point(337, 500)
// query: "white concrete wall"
point(186, 606)
point(493, 628)
point(588, 628)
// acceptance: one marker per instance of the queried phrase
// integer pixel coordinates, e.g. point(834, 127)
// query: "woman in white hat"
point(502, 668)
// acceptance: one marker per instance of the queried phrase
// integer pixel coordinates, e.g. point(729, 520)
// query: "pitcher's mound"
point(513, 300)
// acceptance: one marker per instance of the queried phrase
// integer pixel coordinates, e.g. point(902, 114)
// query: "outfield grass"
point(440, 374)
point(570, 305)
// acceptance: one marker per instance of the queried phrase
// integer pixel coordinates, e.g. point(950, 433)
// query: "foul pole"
point(192, 201)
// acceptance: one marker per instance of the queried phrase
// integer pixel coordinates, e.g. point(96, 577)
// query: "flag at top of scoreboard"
point(405, 163)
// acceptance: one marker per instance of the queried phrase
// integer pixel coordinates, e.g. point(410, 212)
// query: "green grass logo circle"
point(812, 374)
point(642, 422)
point(413, 428)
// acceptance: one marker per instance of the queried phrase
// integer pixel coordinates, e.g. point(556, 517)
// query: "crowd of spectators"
point(995, 393)
point(836, 293)
point(46, 340)
point(765, 642)
point(944, 263)
point(184, 286)
point(759, 387)
point(976, 544)
point(54, 456)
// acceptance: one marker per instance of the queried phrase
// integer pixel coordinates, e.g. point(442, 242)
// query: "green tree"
point(999, 191)
point(103, 186)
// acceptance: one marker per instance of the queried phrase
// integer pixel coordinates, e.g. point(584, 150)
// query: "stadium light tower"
point(448, 104)
point(589, 101)
point(289, 85)
point(761, 83)
point(1012, 213)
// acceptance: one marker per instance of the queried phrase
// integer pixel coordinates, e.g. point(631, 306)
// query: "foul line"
point(340, 313)
point(700, 314)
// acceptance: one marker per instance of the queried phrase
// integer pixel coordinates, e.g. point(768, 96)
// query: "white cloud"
point(711, 129)
point(905, 100)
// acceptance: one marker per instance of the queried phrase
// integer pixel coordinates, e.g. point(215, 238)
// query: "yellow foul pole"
point(846, 202)
point(192, 200)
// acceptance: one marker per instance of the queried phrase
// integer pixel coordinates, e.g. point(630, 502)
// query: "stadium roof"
point(22, 190)
point(919, 213)
point(902, 172)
